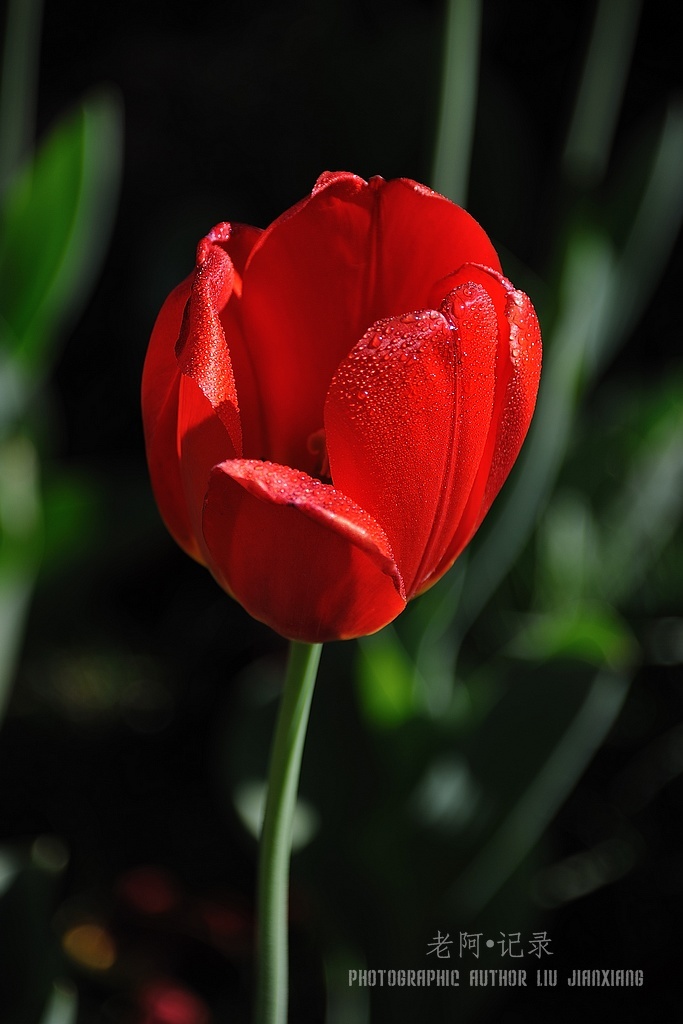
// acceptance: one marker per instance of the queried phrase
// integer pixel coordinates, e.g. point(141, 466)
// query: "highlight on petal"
point(238, 240)
point(387, 450)
point(353, 253)
point(298, 554)
point(344, 183)
point(201, 349)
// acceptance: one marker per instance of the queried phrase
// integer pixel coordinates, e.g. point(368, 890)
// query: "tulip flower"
point(331, 404)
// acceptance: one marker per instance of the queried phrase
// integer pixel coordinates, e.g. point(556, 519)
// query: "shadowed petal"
point(211, 349)
point(519, 368)
point(203, 442)
point(520, 392)
point(298, 554)
point(160, 396)
point(238, 240)
point(176, 417)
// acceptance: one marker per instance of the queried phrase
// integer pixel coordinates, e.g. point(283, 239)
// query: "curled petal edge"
point(282, 485)
point(297, 554)
point(201, 349)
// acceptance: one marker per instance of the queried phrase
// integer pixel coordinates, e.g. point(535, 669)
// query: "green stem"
point(18, 85)
point(276, 835)
point(458, 104)
point(598, 103)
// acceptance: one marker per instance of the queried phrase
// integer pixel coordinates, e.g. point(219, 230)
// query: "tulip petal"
point(422, 237)
point(238, 240)
point(174, 414)
point(520, 392)
point(474, 314)
point(298, 554)
point(203, 442)
point(518, 374)
point(407, 417)
point(209, 416)
point(351, 254)
point(160, 396)
point(211, 350)
point(202, 352)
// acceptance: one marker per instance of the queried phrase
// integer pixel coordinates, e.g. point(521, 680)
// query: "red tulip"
point(332, 404)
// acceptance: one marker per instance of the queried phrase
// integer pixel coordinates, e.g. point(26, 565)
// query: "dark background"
point(129, 709)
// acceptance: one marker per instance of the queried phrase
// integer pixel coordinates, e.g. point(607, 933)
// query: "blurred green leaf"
point(21, 543)
point(54, 229)
point(646, 513)
point(650, 239)
point(592, 632)
point(55, 223)
point(568, 551)
point(30, 959)
point(63, 1005)
point(73, 510)
point(385, 679)
point(10, 867)
point(562, 722)
point(458, 102)
point(602, 86)
point(18, 85)
point(21, 533)
point(15, 595)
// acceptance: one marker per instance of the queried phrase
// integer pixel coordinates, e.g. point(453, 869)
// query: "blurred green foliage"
point(56, 222)
point(56, 214)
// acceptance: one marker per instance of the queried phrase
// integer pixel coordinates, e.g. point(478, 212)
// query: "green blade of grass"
point(458, 99)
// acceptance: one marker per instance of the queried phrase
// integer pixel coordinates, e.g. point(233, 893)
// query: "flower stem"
point(458, 105)
point(276, 835)
point(18, 85)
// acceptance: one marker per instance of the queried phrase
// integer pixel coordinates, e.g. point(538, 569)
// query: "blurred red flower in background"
point(332, 404)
